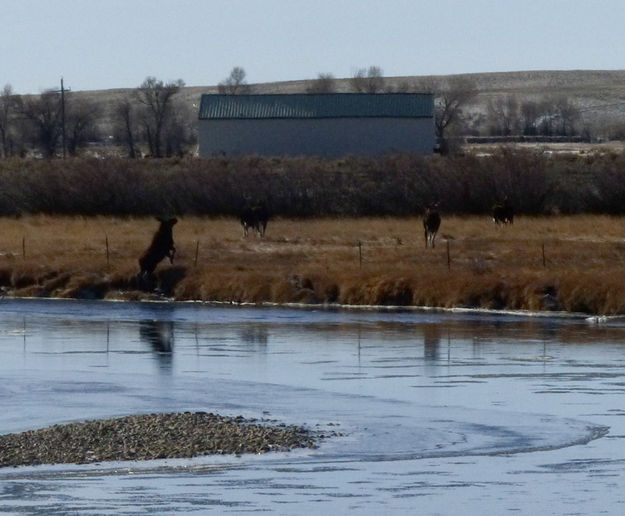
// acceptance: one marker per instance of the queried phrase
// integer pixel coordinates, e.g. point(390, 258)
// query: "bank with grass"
point(558, 263)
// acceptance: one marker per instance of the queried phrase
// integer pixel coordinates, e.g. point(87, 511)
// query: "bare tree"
point(451, 97)
point(43, 112)
point(8, 104)
point(235, 84)
point(156, 98)
point(503, 114)
point(568, 116)
point(125, 125)
point(324, 83)
point(529, 113)
point(180, 131)
point(368, 80)
point(80, 123)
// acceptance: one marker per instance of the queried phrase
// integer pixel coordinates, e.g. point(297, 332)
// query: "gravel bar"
point(150, 436)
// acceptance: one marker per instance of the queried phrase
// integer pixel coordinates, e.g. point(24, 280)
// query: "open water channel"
point(455, 413)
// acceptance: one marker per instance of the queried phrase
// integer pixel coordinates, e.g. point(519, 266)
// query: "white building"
point(328, 125)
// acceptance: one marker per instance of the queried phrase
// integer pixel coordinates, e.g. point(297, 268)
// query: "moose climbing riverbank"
point(162, 246)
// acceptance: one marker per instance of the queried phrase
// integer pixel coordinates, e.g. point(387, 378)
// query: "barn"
point(326, 125)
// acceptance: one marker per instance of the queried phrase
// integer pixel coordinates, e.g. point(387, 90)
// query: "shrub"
point(397, 185)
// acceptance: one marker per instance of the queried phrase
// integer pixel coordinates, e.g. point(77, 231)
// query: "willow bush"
point(401, 185)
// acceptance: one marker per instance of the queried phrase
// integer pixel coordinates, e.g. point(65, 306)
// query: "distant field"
point(578, 148)
point(321, 261)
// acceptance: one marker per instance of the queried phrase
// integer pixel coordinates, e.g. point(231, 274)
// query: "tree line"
point(152, 120)
point(150, 116)
point(555, 115)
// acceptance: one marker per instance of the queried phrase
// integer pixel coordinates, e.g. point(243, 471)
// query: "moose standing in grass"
point(503, 212)
point(255, 217)
point(162, 246)
point(431, 223)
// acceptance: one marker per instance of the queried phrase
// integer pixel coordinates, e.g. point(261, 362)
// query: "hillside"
point(599, 94)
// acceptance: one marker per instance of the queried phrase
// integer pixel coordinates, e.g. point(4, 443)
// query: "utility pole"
point(62, 92)
point(63, 117)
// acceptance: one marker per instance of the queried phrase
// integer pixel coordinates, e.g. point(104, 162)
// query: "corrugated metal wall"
point(330, 138)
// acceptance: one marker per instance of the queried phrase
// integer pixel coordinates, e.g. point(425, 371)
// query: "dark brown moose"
point(503, 212)
point(255, 218)
point(162, 246)
point(431, 223)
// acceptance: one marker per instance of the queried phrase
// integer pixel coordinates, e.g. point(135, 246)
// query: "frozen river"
point(440, 413)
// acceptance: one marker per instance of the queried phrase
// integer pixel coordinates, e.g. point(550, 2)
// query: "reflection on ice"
point(431, 341)
point(158, 334)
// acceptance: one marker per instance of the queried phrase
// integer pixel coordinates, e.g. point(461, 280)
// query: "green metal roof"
point(317, 105)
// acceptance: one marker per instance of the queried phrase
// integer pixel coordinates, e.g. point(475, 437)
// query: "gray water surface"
point(439, 413)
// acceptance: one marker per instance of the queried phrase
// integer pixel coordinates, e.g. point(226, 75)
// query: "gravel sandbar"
point(150, 436)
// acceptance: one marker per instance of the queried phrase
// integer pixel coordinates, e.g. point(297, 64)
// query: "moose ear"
point(160, 219)
point(173, 220)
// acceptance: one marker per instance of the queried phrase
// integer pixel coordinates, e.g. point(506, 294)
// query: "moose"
point(431, 223)
point(255, 217)
point(503, 212)
point(162, 246)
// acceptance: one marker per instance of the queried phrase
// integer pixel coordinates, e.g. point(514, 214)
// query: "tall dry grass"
point(320, 261)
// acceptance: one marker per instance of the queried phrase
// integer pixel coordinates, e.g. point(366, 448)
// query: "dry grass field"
point(320, 261)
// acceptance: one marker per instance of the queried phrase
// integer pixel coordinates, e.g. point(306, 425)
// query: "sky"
point(104, 44)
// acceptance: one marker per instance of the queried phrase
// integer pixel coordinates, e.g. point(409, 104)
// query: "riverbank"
point(572, 264)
